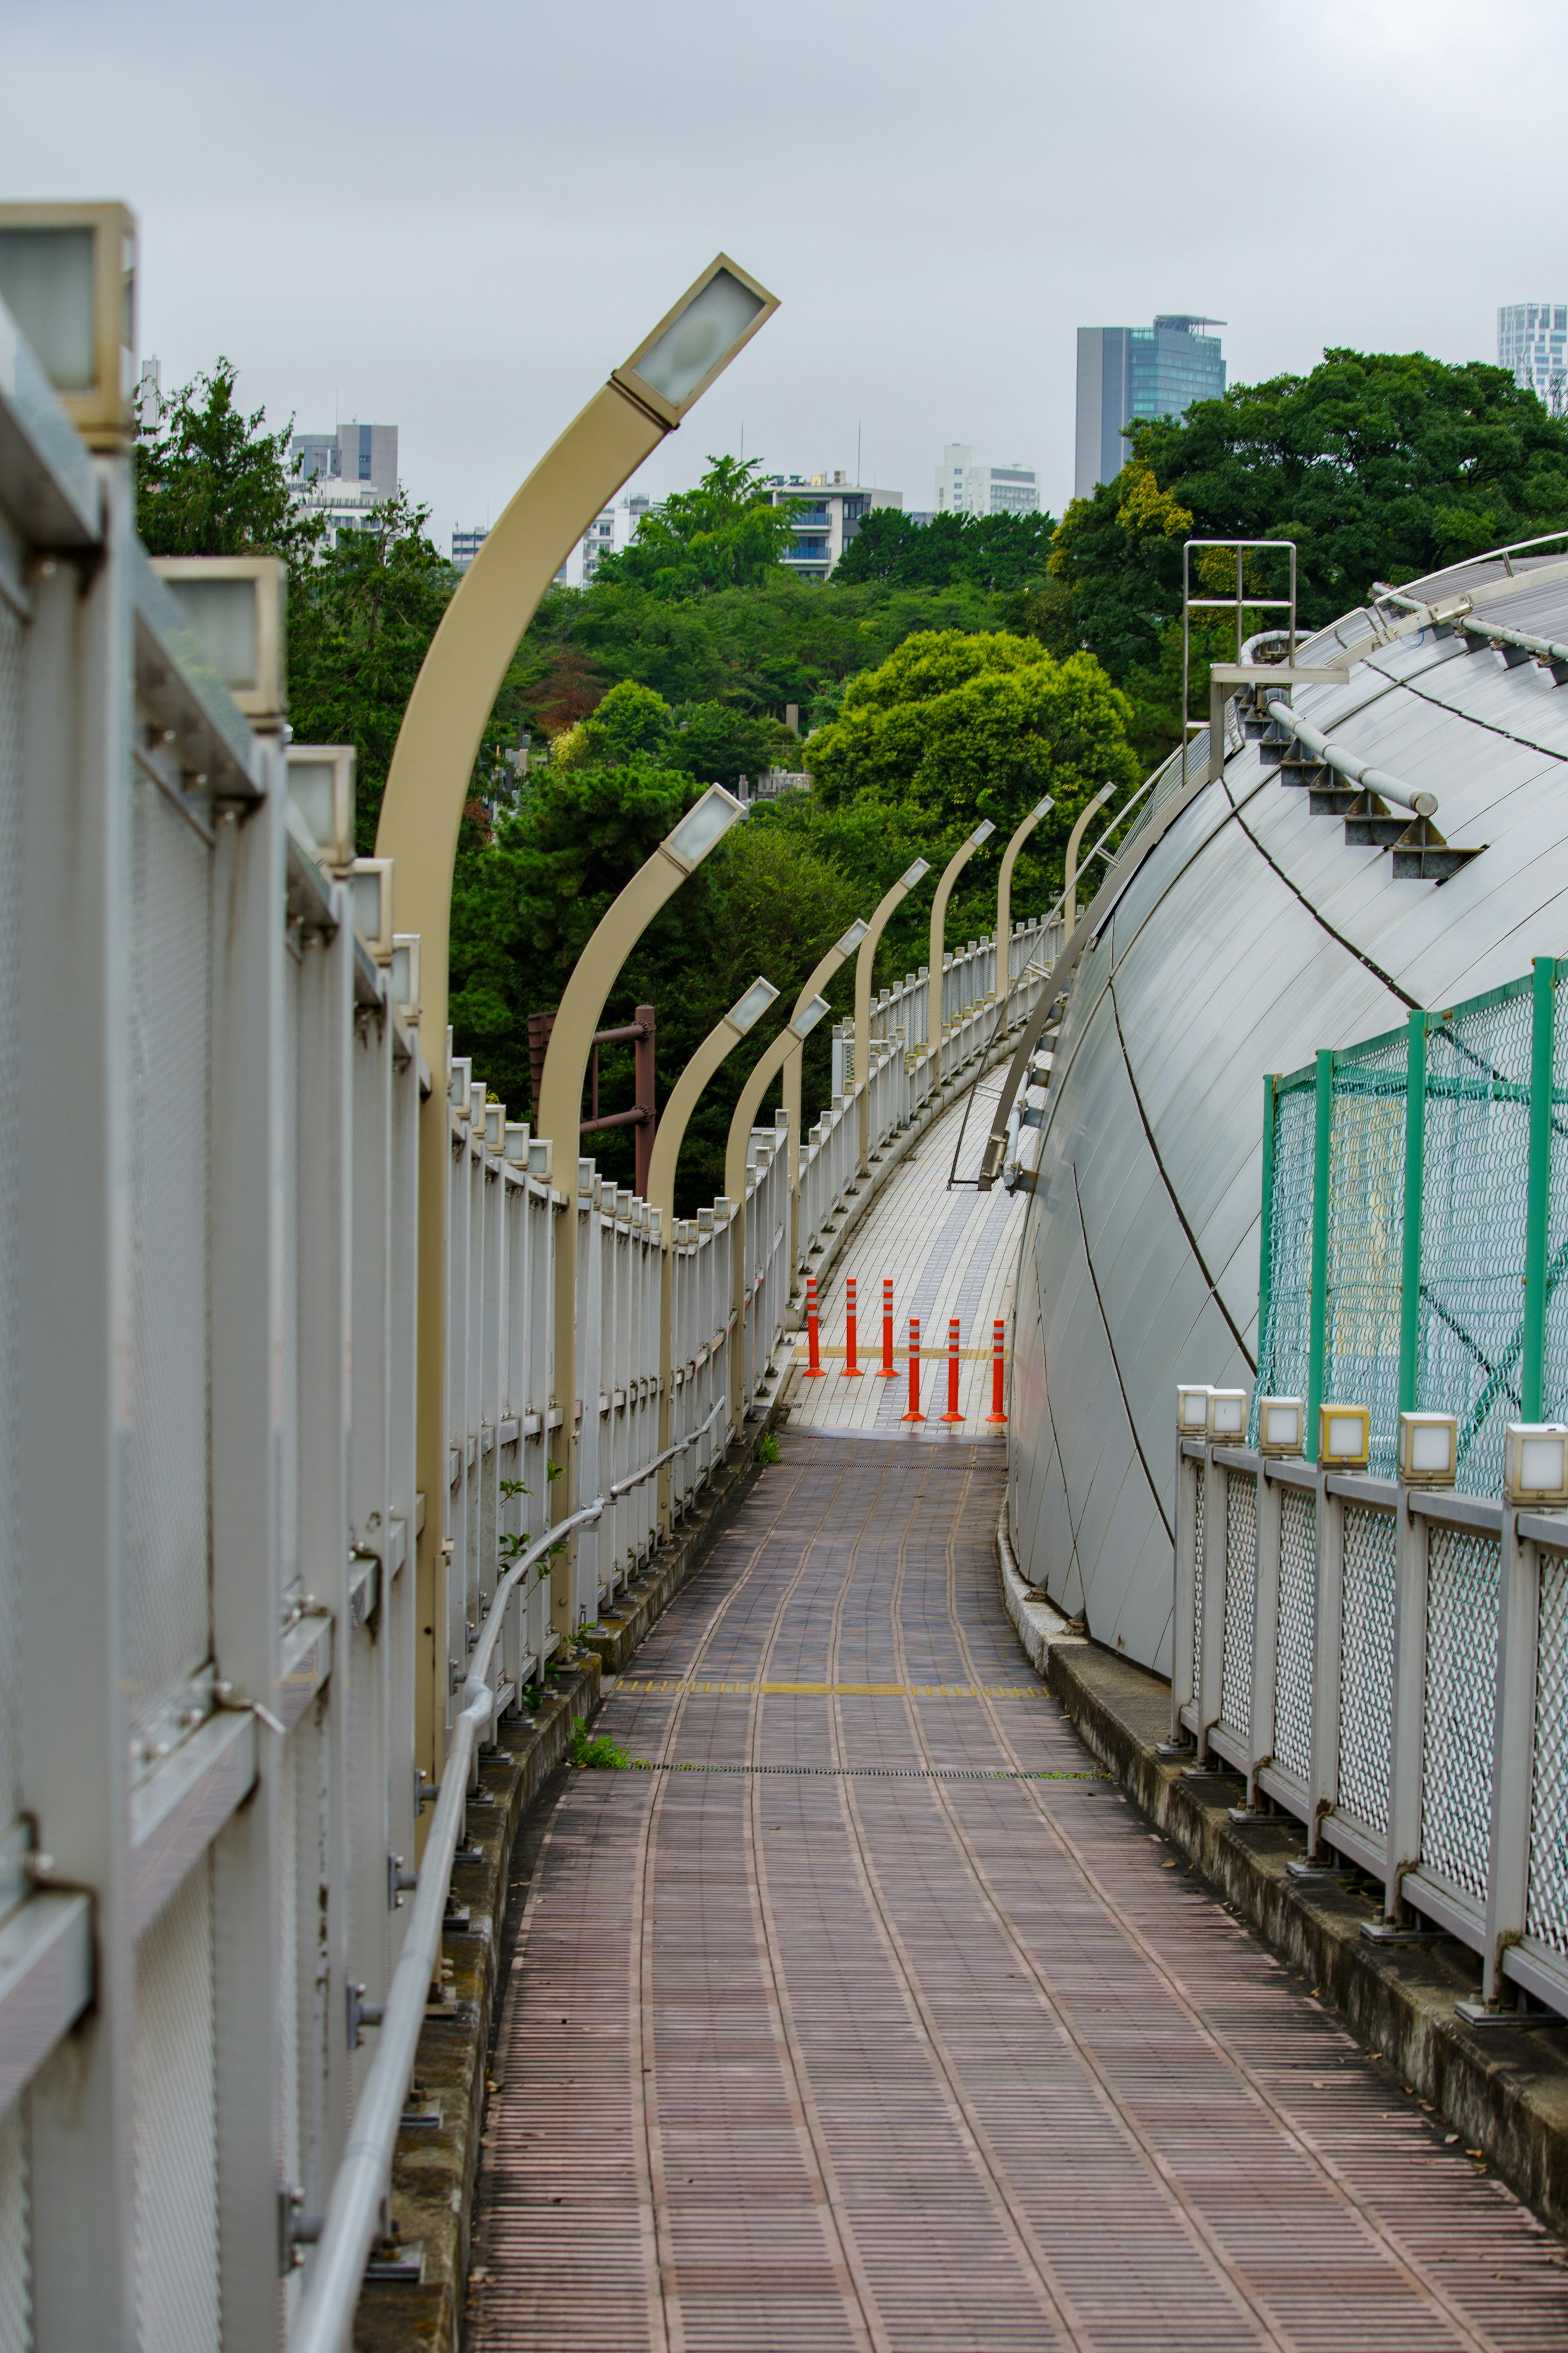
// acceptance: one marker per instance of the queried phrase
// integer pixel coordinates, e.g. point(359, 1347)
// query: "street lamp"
point(432, 763)
point(950, 874)
point(784, 1051)
point(722, 1040)
point(838, 954)
point(1069, 879)
point(1005, 899)
point(68, 276)
point(863, 963)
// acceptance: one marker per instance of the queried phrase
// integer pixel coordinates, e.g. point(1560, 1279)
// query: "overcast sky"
point(458, 219)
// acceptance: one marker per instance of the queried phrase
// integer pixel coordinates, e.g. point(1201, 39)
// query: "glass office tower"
point(1132, 371)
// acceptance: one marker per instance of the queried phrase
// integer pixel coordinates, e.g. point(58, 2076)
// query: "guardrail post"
point(1265, 1626)
point(852, 1363)
point(1508, 1868)
point(1211, 1663)
point(887, 1370)
point(914, 1413)
point(1184, 1632)
point(953, 1413)
point(1414, 1166)
point(1407, 1746)
point(1533, 1366)
point(1323, 1780)
point(1322, 1144)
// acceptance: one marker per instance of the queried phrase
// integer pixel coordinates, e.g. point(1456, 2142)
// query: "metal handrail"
point(1356, 771)
point(1542, 649)
point(353, 2207)
point(624, 1486)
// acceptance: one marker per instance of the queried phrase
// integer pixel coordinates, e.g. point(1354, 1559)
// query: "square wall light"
point(1227, 1416)
point(370, 890)
point(1344, 1437)
point(1535, 1463)
point(68, 276)
point(1193, 1410)
point(235, 607)
point(1281, 1425)
point(1428, 1449)
point(406, 979)
point(322, 797)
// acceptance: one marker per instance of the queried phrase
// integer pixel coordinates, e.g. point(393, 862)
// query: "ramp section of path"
point(948, 1252)
point(873, 2017)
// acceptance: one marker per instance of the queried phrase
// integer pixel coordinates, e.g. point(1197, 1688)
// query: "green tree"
point(999, 552)
point(725, 534)
point(211, 481)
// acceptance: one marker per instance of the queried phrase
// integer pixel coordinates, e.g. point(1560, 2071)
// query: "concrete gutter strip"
point(1503, 2090)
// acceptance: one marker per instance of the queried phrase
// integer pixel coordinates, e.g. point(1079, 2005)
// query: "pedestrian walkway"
point(871, 2015)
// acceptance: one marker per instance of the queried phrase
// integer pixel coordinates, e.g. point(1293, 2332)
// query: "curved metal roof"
point(1252, 935)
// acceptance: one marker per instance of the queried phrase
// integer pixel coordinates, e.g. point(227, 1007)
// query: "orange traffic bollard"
point(996, 1413)
point(851, 1365)
point(814, 1365)
point(914, 1413)
point(887, 1370)
point(953, 1413)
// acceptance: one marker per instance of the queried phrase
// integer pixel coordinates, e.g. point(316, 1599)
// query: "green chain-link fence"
point(1415, 1224)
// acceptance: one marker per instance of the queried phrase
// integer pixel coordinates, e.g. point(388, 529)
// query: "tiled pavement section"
point(831, 2042)
point(949, 1253)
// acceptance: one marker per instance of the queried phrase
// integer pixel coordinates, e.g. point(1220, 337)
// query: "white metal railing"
point(1390, 1665)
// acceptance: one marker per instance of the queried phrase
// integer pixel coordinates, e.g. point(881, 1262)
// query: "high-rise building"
point(829, 512)
point(344, 474)
point(963, 487)
point(610, 532)
point(1125, 373)
point(465, 544)
point(1532, 340)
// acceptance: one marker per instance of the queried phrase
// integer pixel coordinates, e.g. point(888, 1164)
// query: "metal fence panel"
point(1365, 1237)
point(1461, 1689)
point(1546, 1914)
point(1366, 1664)
point(1240, 1587)
point(1298, 1618)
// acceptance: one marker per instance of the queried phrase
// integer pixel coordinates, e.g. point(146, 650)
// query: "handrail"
point(1346, 764)
point(624, 1486)
point(1542, 649)
point(353, 2209)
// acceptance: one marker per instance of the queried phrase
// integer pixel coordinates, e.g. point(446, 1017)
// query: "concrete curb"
point(1503, 2090)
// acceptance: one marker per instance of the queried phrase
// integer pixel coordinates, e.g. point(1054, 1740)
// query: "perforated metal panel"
point(167, 1607)
point(1366, 1664)
point(1546, 1909)
point(1240, 1591)
point(1298, 1615)
point(12, 644)
point(16, 2237)
point(1461, 1688)
point(1367, 1233)
point(1199, 1470)
point(175, 2127)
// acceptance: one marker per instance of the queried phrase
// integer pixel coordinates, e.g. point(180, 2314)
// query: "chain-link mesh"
point(1554, 1385)
point(176, 2126)
point(1366, 1237)
point(16, 2237)
point(1473, 1181)
point(1366, 1664)
point(1285, 1343)
point(1298, 1616)
point(1240, 1590)
point(1546, 1909)
point(1461, 1680)
point(1198, 1469)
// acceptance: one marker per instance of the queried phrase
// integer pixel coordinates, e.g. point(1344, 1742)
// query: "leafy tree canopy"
point(726, 533)
point(211, 481)
point(709, 741)
point(999, 552)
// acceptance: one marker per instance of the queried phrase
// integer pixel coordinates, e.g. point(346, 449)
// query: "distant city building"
point(830, 513)
point(612, 530)
point(963, 487)
point(1531, 340)
point(1125, 373)
point(344, 474)
point(466, 545)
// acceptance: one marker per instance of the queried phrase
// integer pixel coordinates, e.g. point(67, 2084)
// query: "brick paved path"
point(839, 2040)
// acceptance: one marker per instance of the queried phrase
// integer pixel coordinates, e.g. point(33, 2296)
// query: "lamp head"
point(852, 937)
point(810, 1014)
point(67, 275)
point(982, 833)
point(921, 868)
point(696, 341)
point(705, 823)
point(750, 1008)
point(1040, 808)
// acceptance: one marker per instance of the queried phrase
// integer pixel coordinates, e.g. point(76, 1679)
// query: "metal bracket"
point(399, 1883)
point(1386, 1932)
point(1484, 2014)
point(361, 2013)
point(296, 2229)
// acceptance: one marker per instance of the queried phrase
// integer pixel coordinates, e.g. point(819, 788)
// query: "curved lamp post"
point(784, 1049)
point(433, 761)
point(1005, 898)
point(1075, 838)
point(838, 954)
point(950, 874)
point(863, 963)
point(722, 1040)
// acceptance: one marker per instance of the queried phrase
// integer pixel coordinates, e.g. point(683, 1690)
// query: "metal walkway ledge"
point(46, 1983)
point(1504, 2091)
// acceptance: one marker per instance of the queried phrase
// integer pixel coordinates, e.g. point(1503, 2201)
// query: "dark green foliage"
point(999, 552)
point(211, 481)
point(726, 533)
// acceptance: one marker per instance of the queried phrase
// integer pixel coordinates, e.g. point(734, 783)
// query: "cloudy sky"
point(458, 218)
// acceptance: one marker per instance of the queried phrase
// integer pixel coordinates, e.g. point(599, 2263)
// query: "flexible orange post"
point(812, 1337)
point(998, 1330)
point(914, 1413)
point(887, 1370)
point(953, 1413)
point(852, 1363)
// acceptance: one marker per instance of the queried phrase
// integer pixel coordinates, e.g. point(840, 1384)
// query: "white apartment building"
point(966, 487)
point(610, 532)
point(1532, 340)
point(829, 512)
point(344, 474)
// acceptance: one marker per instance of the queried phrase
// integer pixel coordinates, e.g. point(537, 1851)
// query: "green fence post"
point(1415, 1161)
point(1266, 1232)
point(1533, 1369)
point(1322, 1140)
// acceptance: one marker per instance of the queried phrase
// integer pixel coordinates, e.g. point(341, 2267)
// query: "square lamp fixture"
point(750, 1008)
point(406, 980)
point(696, 341)
point(1227, 1416)
point(982, 833)
point(916, 873)
point(1535, 1463)
point(705, 823)
point(68, 276)
point(810, 1014)
point(1428, 1449)
point(322, 798)
point(853, 936)
point(1191, 1411)
point(235, 608)
point(1344, 1437)
point(370, 890)
point(1281, 1425)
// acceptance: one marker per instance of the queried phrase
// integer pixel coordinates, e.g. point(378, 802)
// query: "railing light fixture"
point(1535, 1463)
point(1428, 1449)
